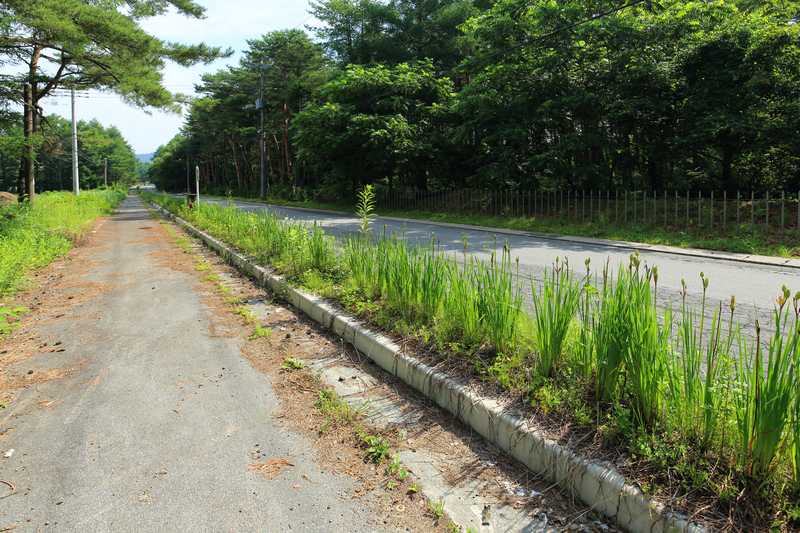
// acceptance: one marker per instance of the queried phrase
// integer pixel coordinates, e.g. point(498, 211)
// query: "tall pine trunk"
point(26, 184)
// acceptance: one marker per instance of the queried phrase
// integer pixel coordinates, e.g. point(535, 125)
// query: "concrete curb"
point(752, 259)
point(596, 484)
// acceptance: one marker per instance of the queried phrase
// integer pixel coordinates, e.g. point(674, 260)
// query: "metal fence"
point(673, 209)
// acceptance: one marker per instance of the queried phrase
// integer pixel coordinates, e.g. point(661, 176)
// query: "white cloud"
point(228, 23)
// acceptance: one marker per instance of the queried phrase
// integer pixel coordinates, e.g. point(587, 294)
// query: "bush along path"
point(709, 422)
point(33, 236)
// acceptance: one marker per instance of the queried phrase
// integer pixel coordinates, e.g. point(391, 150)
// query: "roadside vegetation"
point(742, 238)
point(339, 418)
point(696, 404)
point(33, 236)
point(509, 97)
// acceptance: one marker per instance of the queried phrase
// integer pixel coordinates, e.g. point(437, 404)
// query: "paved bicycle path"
point(154, 420)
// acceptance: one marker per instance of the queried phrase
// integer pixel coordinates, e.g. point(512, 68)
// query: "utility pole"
point(197, 184)
point(261, 144)
point(105, 171)
point(188, 177)
point(76, 185)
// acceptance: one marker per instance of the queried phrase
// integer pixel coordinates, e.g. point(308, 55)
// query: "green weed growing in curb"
point(336, 409)
point(246, 314)
point(436, 509)
point(365, 209)
point(377, 448)
point(260, 332)
point(290, 363)
point(396, 469)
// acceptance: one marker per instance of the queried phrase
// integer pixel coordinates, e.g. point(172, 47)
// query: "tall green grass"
point(555, 305)
point(768, 389)
point(699, 380)
point(474, 305)
point(676, 374)
point(32, 236)
point(610, 324)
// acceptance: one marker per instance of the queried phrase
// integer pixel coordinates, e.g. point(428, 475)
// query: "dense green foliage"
point(710, 409)
point(510, 94)
point(96, 144)
point(86, 45)
point(12, 142)
point(226, 121)
point(31, 237)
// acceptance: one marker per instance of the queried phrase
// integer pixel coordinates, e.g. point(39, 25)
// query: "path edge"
point(598, 485)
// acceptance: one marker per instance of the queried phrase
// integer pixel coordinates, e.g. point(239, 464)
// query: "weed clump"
point(33, 236)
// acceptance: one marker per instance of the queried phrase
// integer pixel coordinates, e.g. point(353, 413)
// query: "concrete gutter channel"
point(598, 485)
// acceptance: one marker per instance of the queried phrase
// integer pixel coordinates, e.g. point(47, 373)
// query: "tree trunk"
point(26, 185)
point(279, 164)
point(236, 166)
point(289, 177)
point(727, 168)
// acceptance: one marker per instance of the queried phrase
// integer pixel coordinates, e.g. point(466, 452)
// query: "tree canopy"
point(520, 94)
point(99, 148)
point(84, 44)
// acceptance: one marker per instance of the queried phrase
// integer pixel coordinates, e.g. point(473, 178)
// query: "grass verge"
point(690, 415)
point(33, 236)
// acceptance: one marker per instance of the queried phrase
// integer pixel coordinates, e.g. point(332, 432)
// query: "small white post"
point(197, 184)
point(76, 184)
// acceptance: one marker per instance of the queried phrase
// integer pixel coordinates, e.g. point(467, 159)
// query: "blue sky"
point(228, 23)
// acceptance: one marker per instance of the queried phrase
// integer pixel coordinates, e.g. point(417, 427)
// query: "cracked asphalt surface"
point(156, 419)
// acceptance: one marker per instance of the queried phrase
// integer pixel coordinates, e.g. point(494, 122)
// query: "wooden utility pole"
point(76, 184)
point(105, 171)
point(263, 185)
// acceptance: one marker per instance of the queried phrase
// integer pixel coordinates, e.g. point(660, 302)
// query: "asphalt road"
point(157, 419)
point(755, 286)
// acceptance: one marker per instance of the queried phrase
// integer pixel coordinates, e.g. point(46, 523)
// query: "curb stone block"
point(598, 485)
